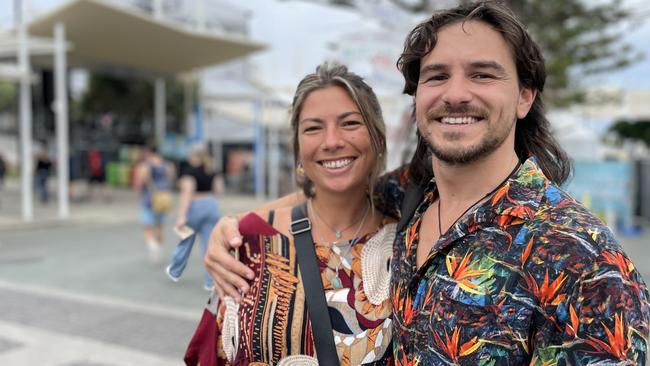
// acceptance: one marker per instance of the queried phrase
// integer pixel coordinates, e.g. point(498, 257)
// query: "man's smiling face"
point(468, 97)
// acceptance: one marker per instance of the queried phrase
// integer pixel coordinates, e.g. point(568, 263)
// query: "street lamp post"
point(25, 117)
point(259, 151)
point(61, 110)
point(159, 111)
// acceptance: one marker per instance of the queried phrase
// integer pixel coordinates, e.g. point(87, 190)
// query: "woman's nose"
point(333, 138)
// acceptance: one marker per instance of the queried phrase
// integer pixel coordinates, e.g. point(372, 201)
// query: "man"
point(97, 174)
point(3, 171)
point(43, 171)
point(495, 265)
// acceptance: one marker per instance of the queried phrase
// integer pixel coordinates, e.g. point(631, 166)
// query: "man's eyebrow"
point(488, 65)
point(433, 67)
point(475, 64)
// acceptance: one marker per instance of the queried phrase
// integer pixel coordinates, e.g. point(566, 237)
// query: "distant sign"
point(605, 187)
point(373, 54)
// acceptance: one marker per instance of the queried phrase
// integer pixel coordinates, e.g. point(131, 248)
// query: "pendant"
point(336, 281)
point(338, 234)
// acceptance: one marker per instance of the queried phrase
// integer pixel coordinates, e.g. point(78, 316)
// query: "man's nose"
point(457, 91)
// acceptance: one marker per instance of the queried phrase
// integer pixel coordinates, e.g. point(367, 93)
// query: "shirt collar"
point(515, 201)
point(519, 196)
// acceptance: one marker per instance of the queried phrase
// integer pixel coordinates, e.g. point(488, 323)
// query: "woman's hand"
point(228, 274)
point(181, 221)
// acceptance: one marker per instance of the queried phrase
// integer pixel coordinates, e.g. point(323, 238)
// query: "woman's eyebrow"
point(311, 119)
point(347, 114)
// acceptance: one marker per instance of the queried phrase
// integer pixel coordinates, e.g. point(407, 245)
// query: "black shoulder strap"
point(321, 324)
point(412, 198)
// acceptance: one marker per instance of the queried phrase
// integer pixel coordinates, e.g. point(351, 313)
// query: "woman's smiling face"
point(334, 143)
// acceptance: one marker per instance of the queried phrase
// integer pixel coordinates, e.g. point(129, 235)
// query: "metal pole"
point(200, 15)
point(25, 117)
point(17, 5)
point(61, 110)
point(217, 151)
point(158, 9)
point(274, 163)
point(260, 176)
point(159, 111)
point(188, 101)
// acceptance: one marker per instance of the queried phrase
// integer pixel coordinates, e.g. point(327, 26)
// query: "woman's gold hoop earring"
point(300, 171)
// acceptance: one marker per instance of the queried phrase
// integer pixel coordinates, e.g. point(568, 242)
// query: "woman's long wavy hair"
point(533, 135)
point(362, 95)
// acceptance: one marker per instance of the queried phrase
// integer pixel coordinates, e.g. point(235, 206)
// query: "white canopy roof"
point(109, 35)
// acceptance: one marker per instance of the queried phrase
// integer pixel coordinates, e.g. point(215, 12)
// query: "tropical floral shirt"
point(529, 276)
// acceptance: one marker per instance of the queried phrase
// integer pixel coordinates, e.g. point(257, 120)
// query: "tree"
point(632, 130)
point(8, 99)
point(131, 100)
point(577, 40)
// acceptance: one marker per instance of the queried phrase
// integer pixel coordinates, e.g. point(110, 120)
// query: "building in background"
point(612, 179)
point(158, 43)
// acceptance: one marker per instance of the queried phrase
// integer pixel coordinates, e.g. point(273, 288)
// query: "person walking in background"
point(43, 170)
point(97, 175)
point(198, 210)
point(3, 171)
point(77, 187)
point(154, 179)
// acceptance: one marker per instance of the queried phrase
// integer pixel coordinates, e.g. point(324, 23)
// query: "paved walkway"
point(122, 207)
point(82, 291)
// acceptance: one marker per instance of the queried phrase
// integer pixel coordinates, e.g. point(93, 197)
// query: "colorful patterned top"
point(272, 326)
point(529, 276)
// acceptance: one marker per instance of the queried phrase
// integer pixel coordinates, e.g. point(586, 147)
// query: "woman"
point(198, 210)
point(153, 174)
point(339, 150)
point(153, 178)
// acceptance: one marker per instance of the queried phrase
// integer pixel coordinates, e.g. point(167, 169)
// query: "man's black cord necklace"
point(473, 204)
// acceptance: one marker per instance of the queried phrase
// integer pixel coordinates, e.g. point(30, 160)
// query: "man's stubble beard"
point(490, 142)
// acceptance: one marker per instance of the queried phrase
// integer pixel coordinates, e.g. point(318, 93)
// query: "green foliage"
point(119, 96)
point(129, 99)
point(637, 131)
point(8, 96)
point(577, 39)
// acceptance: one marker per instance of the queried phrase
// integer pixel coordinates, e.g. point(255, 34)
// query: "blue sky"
point(299, 33)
